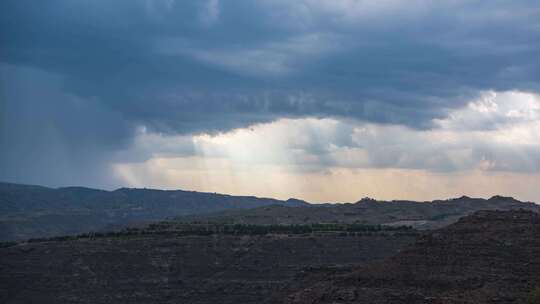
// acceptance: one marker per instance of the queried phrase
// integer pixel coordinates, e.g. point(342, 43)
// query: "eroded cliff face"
point(488, 257)
point(189, 269)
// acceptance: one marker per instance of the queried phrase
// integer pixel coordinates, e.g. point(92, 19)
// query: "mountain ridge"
point(28, 211)
point(32, 211)
point(420, 215)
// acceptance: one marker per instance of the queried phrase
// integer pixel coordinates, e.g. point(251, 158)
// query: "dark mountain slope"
point(489, 257)
point(35, 211)
point(422, 215)
point(169, 268)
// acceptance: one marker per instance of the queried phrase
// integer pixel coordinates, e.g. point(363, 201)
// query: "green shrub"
point(7, 244)
point(534, 296)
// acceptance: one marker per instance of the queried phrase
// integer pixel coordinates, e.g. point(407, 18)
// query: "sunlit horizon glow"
point(332, 160)
point(332, 186)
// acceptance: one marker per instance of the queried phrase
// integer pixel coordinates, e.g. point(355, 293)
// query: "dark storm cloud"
point(50, 137)
point(178, 66)
point(204, 66)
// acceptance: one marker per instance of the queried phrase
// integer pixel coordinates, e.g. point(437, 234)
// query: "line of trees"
point(172, 228)
point(251, 229)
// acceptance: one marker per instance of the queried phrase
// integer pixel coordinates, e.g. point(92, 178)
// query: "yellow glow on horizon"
point(334, 185)
point(483, 149)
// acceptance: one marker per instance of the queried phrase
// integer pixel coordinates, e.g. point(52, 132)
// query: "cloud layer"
point(417, 85)
point(490, 146)
point(204, 66)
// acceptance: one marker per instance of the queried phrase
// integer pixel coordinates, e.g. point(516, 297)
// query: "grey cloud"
point(48, 136)
point(183, 67)
point(377, 146)
point(391, 62)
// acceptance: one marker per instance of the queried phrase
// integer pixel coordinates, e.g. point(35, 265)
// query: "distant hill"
point(33, 211)
point(420, 215)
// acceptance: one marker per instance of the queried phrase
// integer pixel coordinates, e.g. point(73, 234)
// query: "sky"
point(323, 100)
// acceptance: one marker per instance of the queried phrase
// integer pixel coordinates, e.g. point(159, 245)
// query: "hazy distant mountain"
point(34, 211)
point(420, 215)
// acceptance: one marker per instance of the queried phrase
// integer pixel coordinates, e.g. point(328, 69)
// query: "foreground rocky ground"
point(489, 257)
point(167, 268)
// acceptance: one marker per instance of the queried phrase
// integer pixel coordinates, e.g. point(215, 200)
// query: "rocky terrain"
point(34, 211)
point(420, 215)
point(168, 267)
point(489, 257)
